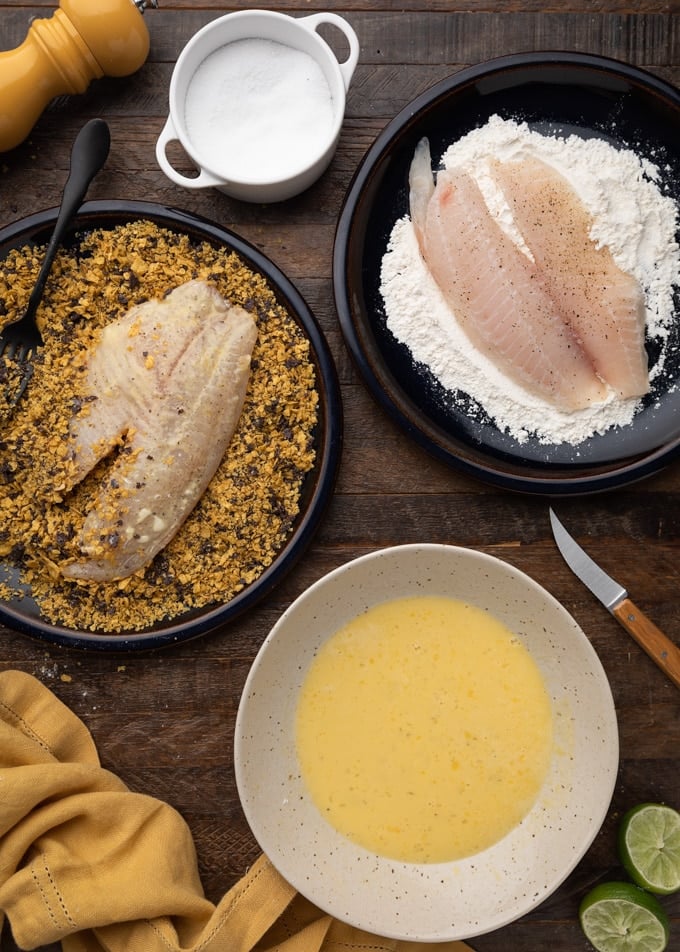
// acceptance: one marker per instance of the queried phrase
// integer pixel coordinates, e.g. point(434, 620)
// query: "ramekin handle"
point(203, 180)
point(347, 67)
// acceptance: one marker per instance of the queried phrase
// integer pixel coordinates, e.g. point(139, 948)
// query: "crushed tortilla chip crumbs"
point(249, 509)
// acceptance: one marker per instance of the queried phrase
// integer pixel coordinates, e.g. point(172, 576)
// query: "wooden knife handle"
point(651, 639)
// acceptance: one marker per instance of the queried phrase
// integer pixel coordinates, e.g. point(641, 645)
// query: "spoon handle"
point(89, 153)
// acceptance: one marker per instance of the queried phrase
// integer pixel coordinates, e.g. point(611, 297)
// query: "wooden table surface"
point(164, 722)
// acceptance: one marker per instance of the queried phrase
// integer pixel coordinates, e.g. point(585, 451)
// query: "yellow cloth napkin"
point(85, 861)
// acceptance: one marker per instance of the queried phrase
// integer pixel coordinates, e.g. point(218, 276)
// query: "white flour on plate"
point(630, 215)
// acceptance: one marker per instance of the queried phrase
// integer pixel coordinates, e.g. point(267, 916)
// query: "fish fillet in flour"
point(168, 381)
point(603, 304)
point(493, 290)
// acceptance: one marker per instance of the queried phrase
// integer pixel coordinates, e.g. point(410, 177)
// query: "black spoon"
point(20, 338)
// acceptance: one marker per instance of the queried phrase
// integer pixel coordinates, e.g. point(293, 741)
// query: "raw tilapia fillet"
point(603, 304)
point(493, 289)
point(168, 381)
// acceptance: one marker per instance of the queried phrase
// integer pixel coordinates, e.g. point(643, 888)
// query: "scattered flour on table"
point(630, 216)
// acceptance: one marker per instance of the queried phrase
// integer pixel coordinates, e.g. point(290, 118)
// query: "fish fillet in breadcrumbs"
point(168, 380)
point(249, 509)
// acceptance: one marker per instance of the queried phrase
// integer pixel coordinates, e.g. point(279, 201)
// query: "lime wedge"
point(649, 847)
point(621, 917)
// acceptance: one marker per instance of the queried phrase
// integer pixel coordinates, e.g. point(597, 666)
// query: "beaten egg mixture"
point(424, 729)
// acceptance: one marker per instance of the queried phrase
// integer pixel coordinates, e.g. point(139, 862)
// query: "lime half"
point(621, 917)
point(649, 847)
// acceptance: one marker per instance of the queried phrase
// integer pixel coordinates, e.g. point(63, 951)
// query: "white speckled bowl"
point(443, 901)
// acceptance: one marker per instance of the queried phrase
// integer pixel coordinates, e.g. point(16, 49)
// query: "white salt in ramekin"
point(299, 33)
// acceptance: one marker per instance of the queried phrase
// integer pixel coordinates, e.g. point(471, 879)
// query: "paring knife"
point(615, 599)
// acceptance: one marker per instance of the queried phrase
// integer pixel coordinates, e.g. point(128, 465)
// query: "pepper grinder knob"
point(61, 55)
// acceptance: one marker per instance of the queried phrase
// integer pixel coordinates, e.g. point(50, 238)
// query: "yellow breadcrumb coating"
point(246, 514)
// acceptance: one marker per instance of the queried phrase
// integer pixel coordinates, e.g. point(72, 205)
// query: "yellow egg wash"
point(424, 729)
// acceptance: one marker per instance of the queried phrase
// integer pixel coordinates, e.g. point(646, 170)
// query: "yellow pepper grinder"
point(83, 40)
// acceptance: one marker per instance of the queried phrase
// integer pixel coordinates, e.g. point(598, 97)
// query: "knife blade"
point(615, 599)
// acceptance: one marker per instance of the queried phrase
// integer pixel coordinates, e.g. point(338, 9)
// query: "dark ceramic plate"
point(23, 614)
point(557, 93)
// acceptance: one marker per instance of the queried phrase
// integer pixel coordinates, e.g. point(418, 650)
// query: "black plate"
point(557, 93)
point(22, 613)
